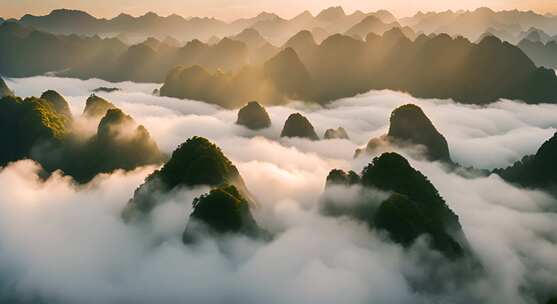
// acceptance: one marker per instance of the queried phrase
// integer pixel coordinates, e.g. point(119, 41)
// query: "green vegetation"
point(535, 171)
point(28, 124)
point(298, 125)
point(41, 129)
point(96, 107)
point(197, 162)
point(59, 103)
point(413, 209)
point(221, 211)
point(118, 144)
point(254, 116)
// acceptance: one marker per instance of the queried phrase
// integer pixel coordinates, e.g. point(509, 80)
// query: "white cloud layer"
point(65, 243)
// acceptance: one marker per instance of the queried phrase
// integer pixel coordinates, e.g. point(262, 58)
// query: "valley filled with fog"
point(65, 242)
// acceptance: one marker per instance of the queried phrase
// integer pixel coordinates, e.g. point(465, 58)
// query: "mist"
point(61, 242)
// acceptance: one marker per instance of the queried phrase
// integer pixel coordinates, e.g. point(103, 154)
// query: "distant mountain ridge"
point(342, 66)
point(473, 24)
point(64, 21)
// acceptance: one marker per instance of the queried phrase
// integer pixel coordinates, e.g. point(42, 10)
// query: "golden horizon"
point(235, 9)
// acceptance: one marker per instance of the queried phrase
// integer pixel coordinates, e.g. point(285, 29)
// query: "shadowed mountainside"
point(538, 171)
point(409, 208)
point(339, 133)
point(543, 54)
point(472, 24)
point(19, 58)
point(254, 116)
point(108, 59)
point(42, 129)
point(221, 211)
point(410, 127)
point(4, 90)
point(429, 67)
point(299, 126)
point(63, 21)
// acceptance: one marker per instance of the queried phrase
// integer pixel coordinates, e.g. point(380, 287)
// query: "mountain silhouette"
point(543, 54)
point(338, 133)
point(410, 127)
point(281, 78)
point(288, 74)
point(371, 24)
point(254, 116)
point(4, 90)
point(298, 125)
point(538, 171)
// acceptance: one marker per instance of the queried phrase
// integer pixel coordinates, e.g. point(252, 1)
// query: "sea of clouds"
point(64, 243)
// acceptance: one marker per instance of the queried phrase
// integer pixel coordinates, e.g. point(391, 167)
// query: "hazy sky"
point(230, 9)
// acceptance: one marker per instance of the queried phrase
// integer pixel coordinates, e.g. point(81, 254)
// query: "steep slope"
point(96, 107)
point(338, 133)
point(298, 125)
point(222, 211)
point(59, 102)
point(408, 208)
point(370, 24)
point(4, 90)
point(197, 162)
point(288, 74)
point(254, 116)
point(410, 127)
point(26, 125)
point(537, 171)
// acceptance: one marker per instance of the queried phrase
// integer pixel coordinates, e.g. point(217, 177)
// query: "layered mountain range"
point(43, 129)
point(470, 24)
point(342, 66)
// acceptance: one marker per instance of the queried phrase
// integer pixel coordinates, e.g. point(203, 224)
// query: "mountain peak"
point(331, 14)
point(4, 90)
point(409, 123)
point(196, 162)
point(254, 116)
point(298, 125)
point(96, 106)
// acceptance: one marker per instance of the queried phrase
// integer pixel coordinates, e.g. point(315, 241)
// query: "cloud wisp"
point(66, 243)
